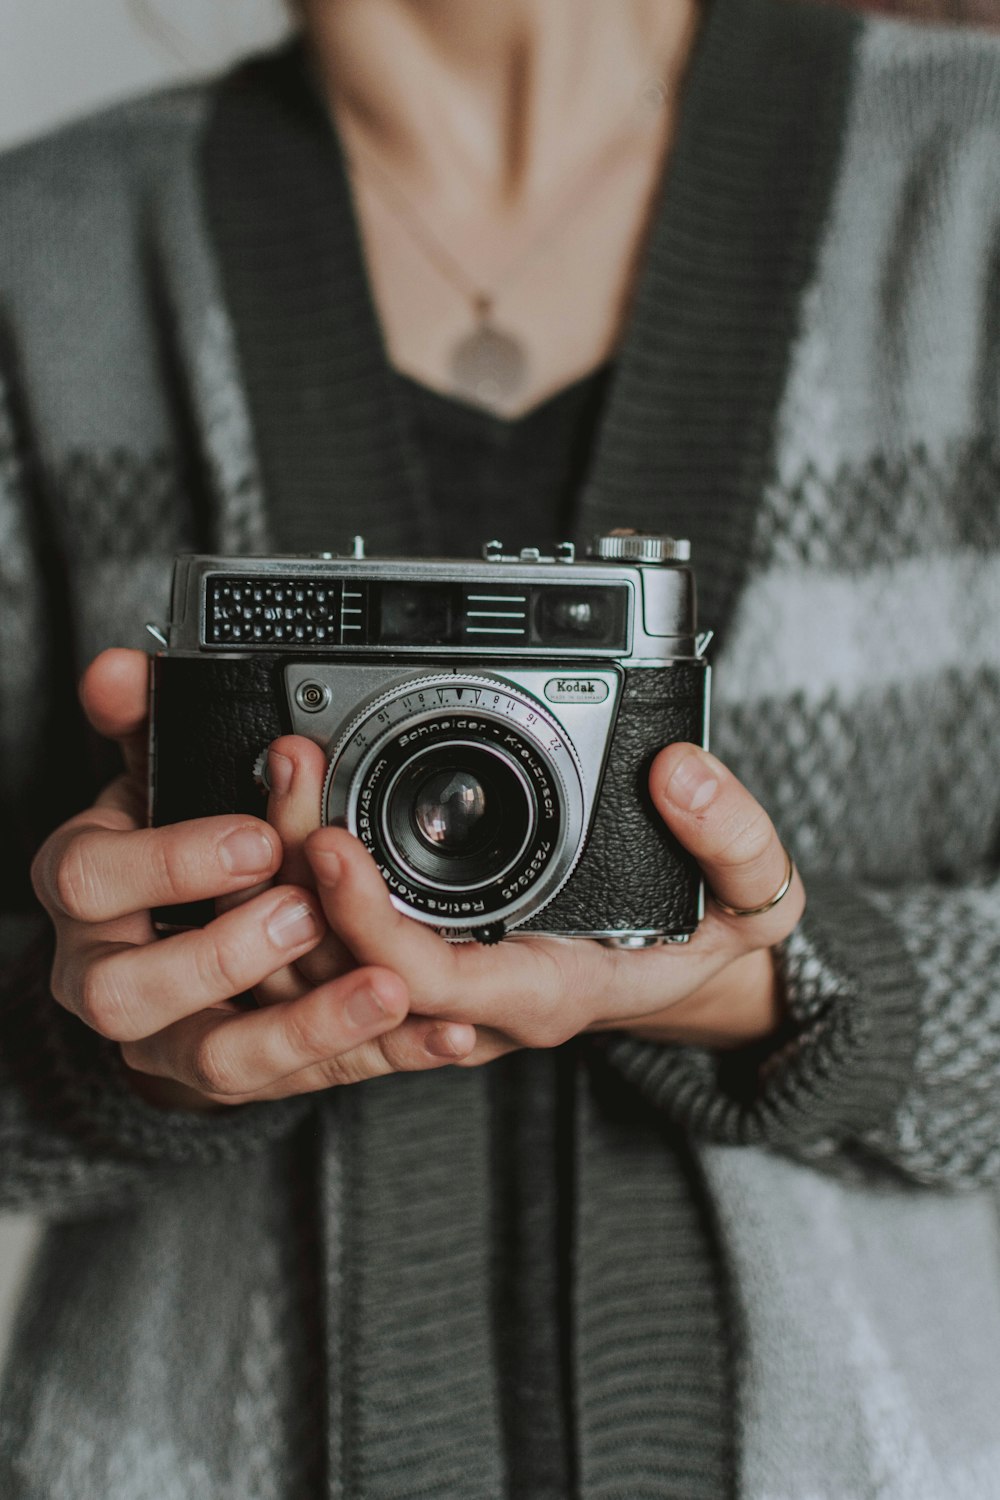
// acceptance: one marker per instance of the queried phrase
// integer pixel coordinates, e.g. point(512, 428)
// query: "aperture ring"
point(496, 714)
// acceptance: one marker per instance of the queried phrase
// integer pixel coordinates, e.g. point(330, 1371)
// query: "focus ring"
point(352, 794)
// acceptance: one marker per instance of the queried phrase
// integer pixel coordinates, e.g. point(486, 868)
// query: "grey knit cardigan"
point(774, 1274)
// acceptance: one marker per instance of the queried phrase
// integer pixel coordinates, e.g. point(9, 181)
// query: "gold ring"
point(758, 911)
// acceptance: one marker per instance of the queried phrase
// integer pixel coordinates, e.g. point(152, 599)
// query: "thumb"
point(732, 838)
point(114, 691)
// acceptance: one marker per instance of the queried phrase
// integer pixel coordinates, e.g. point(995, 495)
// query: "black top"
point(517, 480)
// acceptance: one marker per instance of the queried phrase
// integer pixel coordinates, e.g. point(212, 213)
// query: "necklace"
point(489, 366)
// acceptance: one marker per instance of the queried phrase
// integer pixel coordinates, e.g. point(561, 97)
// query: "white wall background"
point(59, 58)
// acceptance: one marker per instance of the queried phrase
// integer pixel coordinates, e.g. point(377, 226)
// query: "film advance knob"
point(639, 547)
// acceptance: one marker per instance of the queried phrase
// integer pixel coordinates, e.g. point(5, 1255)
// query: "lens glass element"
point(448, 809)
point(588, 616)
point(458, 814)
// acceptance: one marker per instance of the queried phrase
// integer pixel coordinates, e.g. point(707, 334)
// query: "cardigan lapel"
point(687, 439)
point(332, 444)
point(687, 446)
point(406, 1194)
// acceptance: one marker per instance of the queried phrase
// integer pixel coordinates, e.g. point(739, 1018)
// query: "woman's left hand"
point(717, 990)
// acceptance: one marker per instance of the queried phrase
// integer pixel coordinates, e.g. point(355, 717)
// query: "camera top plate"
point(634, 613)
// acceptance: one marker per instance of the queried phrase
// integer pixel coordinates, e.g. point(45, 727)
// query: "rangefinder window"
point(442, 614)
point(416, 614)
point(419, 614)
point(581, 617)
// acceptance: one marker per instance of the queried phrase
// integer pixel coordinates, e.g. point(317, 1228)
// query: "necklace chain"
point(489, 366)
point(434, 247)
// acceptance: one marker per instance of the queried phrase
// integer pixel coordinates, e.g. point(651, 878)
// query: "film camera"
point(489, 724)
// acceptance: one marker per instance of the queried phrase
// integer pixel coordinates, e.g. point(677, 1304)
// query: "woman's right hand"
point(172, 1003)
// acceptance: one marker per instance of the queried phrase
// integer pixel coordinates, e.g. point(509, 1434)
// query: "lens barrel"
point(467, 795)
point(458, 814)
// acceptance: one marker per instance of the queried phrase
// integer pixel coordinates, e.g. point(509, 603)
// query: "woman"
point(422, 274)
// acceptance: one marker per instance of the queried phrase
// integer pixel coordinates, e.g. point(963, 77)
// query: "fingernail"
point(364, 1009)
point(326, 865)
point(246, 852)
point(445, 1041)
point(291, 924)
point(279, 772)
point(694, 782)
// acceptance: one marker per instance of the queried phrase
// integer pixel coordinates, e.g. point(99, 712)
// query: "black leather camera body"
point(489, 725)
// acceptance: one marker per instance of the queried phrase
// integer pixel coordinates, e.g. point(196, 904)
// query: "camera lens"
point(449, 808)
point(466, 793)
point(458, 814)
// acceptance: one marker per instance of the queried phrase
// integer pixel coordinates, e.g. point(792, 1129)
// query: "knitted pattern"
point(762, 1280)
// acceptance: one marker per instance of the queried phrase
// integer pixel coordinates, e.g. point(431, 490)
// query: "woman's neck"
point(502, 171)
point(504, 100)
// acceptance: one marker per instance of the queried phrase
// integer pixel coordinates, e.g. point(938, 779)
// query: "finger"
point(732, 838)
point(417, 1045)
point(125, 794)
point(356, 901)
point(535, 991)
point(296, 769)
point(99, 866)
point(296, 772)
point(328, 960)
point(423, 1042)
point(490, 1044)
point(228, 1054)
point(465, 981)
point(114, 691)
point(403, 1050)
point(288, 983)
point(285, 983)
point(126, 992)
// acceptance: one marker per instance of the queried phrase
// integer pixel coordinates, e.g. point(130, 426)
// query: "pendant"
point(489, 367)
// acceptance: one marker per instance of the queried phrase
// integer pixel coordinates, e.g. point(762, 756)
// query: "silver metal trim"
point(151, 741)
point(673, 639)
point(314, 658)
point(358, 682)
point(644, 937)
point(423, 879)
point(493, 553)
point(355, 752)
point(639, 547)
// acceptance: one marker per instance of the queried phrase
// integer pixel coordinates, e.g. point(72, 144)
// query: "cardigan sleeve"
point(890, 1058)
point(74, 1137)
point(73, 1134)
point(891, 1053)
